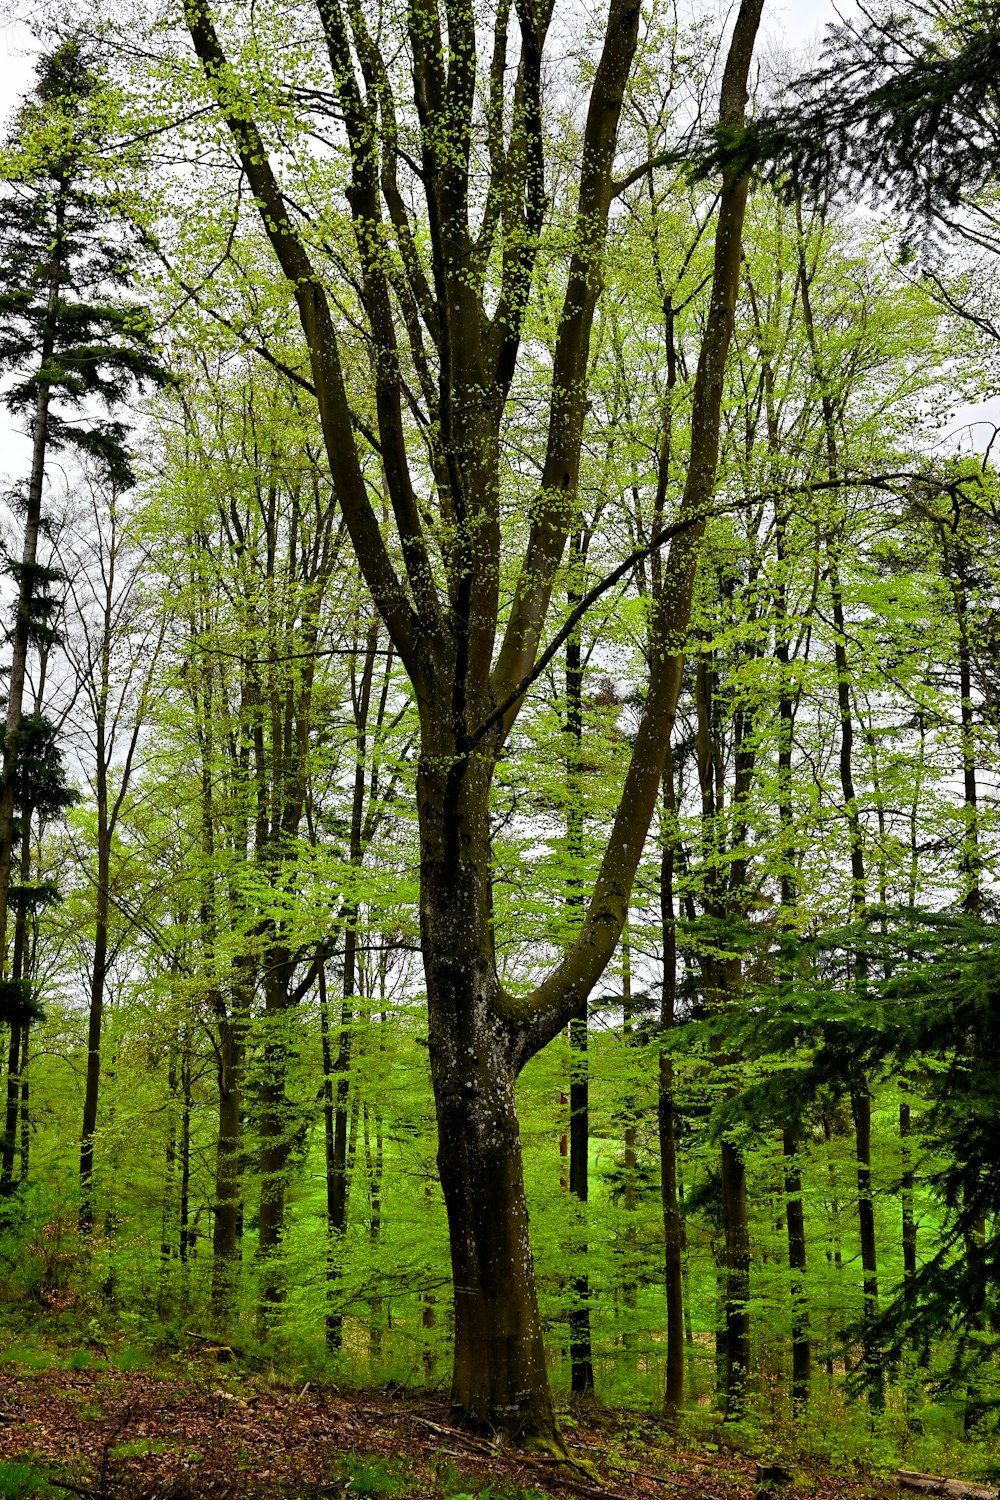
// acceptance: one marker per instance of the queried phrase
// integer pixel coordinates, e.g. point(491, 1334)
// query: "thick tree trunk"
point(499, 1378)
point(467, 692)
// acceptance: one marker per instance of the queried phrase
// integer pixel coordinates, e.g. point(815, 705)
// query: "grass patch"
point(132, 1358)
point(374, 1477)
point(27, 1359)
point(19, 1481)
point(138, 1448)
point(82, 1359)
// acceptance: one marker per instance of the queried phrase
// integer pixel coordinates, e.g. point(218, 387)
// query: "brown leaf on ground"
point(135, 1436)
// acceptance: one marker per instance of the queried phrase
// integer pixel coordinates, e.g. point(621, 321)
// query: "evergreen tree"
point(73, 338)
point(903, 103)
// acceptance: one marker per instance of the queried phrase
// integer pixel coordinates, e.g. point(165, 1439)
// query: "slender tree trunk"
point(860, 1100)
point(18, 1031)
point(97, 984)
point(906, 1186)
point(337, 1070)
point(970, 863)
point(25, 1132)
point(629, 1158)
point(169, 1176)
point(8, 1142)
point(275, 1140)
point(581, 1358)
point(185, 1239)
point(795, 1218)
point(737, 1278)
point(794, 1212)
point(673, 1224)
point(21, 636)
point(374, 1167)
point(227, 1194)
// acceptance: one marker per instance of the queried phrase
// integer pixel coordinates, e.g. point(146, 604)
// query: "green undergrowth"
point(23, 1481)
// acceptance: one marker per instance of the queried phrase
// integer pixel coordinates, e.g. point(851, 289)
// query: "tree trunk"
point(468, 695)
point(374, 1168)
point(499, 1378)
point(581, 1358)
point(737, 1278)
point(275, 1145)
point(18, 1032)
point(97, 983)
point(795, 1219)
point(227, 1196)
point(673, 1225)
point(906, 1187)
point(629, 1284)
point(580, 1352)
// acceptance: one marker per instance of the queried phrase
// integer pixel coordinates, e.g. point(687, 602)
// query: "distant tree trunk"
point(25, 1133)
point(794, 1213)
point(8, 1143)
point(906, 1186)
point(185, 1239)
point(722, 979)
point(275, 1138)
point(18, 1031)
point(972, 898)
point(737, 1278)
point(374, 1166)
point(97, 982)
point(169, 1177)
point(795, 1218)
point(227, 1192)
point(338, 1068)
point(673, 1224)
point(860, 1100)
point(581, 1359)
point(860, 1095)
point(629, 1157)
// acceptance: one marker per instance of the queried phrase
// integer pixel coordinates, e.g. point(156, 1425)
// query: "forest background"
point(757, 1160)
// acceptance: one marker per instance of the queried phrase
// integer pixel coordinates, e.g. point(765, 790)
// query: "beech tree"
point(444, 292)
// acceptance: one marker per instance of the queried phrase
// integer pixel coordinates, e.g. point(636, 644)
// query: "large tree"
point(447, 196)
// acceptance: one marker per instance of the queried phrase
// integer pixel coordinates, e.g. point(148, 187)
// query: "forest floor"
point(115, 1435)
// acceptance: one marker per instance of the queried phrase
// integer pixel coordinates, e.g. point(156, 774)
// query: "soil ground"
point(112, 1435)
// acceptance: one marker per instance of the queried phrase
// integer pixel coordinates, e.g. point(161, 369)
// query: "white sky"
point(786, 23)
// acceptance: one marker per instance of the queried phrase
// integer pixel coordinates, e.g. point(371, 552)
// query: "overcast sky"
point(789, 23)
